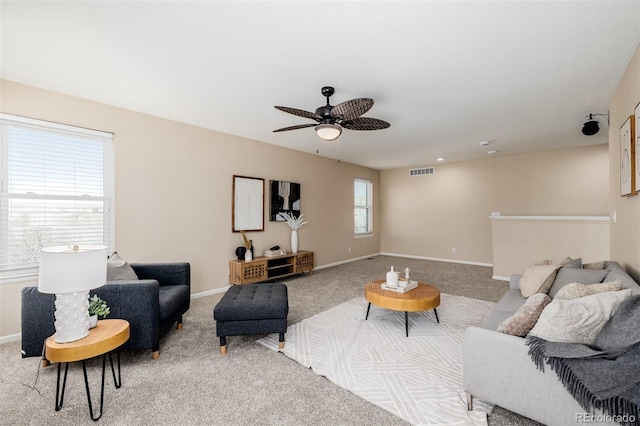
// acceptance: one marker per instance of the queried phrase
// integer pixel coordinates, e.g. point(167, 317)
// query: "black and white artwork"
point(285, 197)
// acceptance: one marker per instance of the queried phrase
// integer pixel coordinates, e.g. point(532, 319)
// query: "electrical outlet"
point(349, 250)
point(454, 251)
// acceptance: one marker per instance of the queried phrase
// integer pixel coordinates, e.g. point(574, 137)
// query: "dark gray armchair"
point(152, 305)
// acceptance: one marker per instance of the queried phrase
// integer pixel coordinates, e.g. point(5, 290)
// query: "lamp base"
point(72, 316)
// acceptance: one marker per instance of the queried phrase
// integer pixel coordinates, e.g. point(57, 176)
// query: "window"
point(56, 188)
point(362, 190)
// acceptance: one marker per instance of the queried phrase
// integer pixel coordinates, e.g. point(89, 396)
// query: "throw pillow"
point(575, 290)
point(595, 265)
point(523, 320)
point(118, 269)
point(537, 279)
point(578, 320)
point(572, 275)
point(568, 262)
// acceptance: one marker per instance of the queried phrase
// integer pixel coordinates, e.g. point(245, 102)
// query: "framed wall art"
point(636, 144)
point(247, 209)
point(627, 157)
point(285, 198)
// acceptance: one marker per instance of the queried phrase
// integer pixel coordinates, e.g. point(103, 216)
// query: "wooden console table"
point(264, 268)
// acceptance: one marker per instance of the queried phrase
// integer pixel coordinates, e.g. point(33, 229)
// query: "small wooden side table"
point(104, 338)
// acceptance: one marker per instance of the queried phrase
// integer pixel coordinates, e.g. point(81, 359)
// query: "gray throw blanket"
point(605, 376)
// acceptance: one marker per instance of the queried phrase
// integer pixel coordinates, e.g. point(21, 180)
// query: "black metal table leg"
point(60, 396)
point(435, 311)
point(117, 382)
point(368, 307)
point(406, 323)
point(86, 383)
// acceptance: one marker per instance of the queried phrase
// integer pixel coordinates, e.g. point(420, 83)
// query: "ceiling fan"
point(331, 119)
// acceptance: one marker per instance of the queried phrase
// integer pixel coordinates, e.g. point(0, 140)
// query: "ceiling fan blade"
point(354, 108)
point(300, 112)
point(365, 123)
point(299, 126)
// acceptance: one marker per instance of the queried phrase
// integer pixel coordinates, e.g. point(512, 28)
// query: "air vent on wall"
point(425, 171)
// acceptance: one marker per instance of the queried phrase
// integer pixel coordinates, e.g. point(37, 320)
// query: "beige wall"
point(625, 231)
point(428, 216)
point(521, 241)
point(173, 191)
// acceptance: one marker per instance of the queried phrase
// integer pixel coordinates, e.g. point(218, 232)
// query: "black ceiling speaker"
point(591, 127)
point(330, 120)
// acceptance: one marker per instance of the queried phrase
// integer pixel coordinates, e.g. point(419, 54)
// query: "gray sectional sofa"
point(498, 369)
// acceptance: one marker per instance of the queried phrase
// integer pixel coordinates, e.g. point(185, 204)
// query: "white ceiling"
point(445, 74)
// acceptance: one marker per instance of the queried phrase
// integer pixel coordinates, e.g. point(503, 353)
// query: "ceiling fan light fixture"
point(328, 132)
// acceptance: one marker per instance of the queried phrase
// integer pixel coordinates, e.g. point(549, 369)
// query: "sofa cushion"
point(171, 298)
point(520, 323)
point(617, 272)
point(595, 265)
point(118, 269)
point(572, 275)
point(510, 301)
point(575, 290)
point(537, 279)
point(578, 320)
point(568, 262)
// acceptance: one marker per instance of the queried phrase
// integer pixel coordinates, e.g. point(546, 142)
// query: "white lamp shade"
point(328, 132)
point(64, 269)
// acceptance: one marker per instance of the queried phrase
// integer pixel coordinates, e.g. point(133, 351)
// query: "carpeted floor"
point(193, 384)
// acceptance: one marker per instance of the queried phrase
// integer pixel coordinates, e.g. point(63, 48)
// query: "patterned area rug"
point(417, 378)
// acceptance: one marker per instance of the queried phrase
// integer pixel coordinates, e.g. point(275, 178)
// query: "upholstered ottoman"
point(252, 309)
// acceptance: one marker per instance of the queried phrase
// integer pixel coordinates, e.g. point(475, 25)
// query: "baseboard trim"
point(342, 262)
point(10, 338)
point(500, 278)
point(210, 292)
point(436, 259)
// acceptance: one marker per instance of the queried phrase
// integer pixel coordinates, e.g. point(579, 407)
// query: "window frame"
point(10, 272)
point(368, 207)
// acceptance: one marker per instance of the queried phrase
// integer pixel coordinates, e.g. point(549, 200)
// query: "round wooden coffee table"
point(422, 298)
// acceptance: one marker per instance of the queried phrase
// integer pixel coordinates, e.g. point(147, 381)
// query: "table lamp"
point(70, 272)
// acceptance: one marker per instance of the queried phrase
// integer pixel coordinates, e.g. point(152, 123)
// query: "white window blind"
point(56, 189)
point(362, 190)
